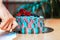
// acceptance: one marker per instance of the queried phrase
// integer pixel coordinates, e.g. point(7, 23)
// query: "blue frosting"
point(34, 25)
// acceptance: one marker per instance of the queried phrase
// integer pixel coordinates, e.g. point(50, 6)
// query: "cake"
point(30, 24)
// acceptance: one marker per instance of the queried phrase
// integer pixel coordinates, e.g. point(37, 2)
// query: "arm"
point(8, 21)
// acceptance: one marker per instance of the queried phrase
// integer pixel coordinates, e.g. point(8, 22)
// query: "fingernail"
point(10, 30)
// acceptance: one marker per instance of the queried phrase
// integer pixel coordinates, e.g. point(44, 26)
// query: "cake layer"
point(28, 24)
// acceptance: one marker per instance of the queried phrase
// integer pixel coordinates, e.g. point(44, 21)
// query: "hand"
point(8, 22)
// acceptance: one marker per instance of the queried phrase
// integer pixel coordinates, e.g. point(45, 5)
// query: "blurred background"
point(47, 8)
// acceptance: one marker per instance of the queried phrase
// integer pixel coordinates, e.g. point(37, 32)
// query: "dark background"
point(50, 14)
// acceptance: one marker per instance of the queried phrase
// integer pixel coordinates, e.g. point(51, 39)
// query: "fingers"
point(9, 27)
point(6, 24)
point(3, 23)
point(14, 25)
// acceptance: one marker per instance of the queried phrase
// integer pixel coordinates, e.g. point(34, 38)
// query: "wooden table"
point(55, 35)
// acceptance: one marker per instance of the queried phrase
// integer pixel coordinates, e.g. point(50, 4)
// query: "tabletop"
point(54, 35)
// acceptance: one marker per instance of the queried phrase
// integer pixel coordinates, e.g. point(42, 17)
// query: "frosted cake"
point(30, 24)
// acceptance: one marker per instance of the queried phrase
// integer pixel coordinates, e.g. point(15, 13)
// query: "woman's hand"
point(8, 22)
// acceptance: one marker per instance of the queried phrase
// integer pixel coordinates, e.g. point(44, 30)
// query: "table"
point(55, 35)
